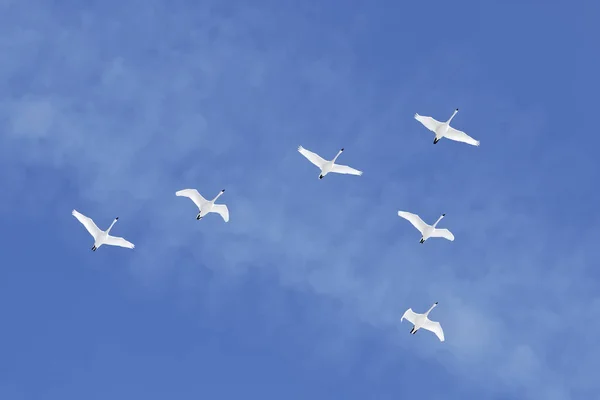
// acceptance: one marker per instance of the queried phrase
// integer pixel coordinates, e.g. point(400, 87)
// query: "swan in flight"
point(421, 321)
point(427, 231)
point(204, 205)
point(443, 129)
point(328, 166)
point(101, 237)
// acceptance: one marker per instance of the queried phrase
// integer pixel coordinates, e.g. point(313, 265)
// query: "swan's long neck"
point(432, 307)
point(111, 225)
point(217, 196)
point(338, 154)
point(438, 220)
point(450, 119)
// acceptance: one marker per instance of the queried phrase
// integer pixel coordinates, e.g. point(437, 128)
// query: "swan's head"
point(223, 191)
point(435, 304)
point(342, 149)
point(117, 218)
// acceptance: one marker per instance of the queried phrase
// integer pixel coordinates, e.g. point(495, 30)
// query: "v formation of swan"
point(441, 130)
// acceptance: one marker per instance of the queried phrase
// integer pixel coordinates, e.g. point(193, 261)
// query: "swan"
point(101, 237)
point(328, 166)
point(443, 129)
point(421, 321)
point(204, 205)
point(427, 231)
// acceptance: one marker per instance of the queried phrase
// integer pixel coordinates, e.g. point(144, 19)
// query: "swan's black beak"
point(422, 240)
point(320, 176)
point(436, 140)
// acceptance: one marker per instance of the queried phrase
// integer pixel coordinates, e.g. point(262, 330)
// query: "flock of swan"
point(441, 130)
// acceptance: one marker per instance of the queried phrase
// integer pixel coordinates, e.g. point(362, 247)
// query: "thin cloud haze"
point(111, 110)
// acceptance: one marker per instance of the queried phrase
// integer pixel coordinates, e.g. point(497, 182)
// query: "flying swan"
point(328, 166)
point(204, 205)
point(421, 321)
point(101, 237)
point(443, 129)
point(427, 231)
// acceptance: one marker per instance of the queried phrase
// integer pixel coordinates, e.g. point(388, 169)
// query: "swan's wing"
point(88, 223)
point(414, 219)
point(428, 122)
point(312, 157)
point(410, 316)
point(443, 233)
point(434, 327)
point(460, 136)
point(118, 241)
point(194, 195)
point(344, 169)
point(222, 210)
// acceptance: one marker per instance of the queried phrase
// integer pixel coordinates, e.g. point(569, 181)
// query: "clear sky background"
point(111, 107)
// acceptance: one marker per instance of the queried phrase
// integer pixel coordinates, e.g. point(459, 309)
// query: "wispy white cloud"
point(200, 98)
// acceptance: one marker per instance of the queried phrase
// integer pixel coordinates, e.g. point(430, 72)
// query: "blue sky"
point(111, 107)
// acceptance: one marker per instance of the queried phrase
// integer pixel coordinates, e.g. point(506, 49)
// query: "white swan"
point(443, 129)
point(204, 205)
point(101, 237)
point(426, 230)
point(421, 321)
point(328, 166)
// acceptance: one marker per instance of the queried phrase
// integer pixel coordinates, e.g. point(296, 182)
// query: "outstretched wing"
point(118, 241)
point(410, 316)
point(312, 157)
point(414, 219)
point(460, 136)
point(222, 210)
point(443, 233)
point(434, 327)
point(428, 122)
point(344, 169)
point(194, 195)
point(88, 223)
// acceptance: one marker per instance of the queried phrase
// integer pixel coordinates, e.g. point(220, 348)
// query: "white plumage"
point(422, 321)
point(205, 206)
point(443, 129)
point(101, 237)
point(328, 166)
